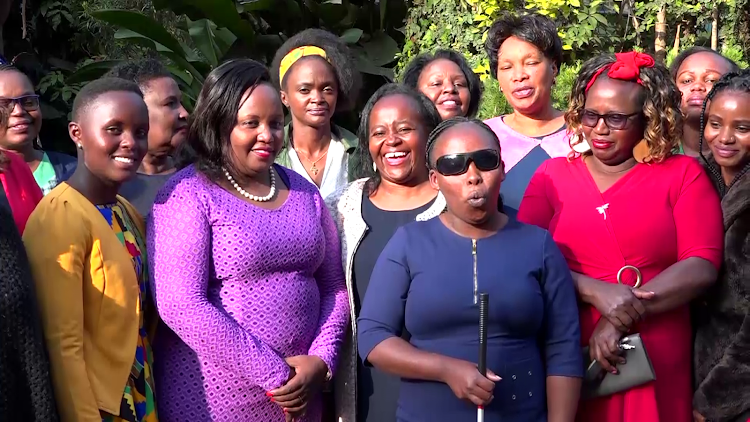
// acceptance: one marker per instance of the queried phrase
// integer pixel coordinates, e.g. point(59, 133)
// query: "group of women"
point(303, 272)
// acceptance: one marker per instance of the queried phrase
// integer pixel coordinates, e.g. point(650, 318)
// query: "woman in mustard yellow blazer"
point(87, 253)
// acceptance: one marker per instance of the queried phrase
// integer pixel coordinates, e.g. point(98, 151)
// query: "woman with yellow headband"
point(316, 75)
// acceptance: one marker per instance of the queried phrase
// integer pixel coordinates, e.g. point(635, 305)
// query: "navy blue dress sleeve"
point(382, 313)
point(562, 328)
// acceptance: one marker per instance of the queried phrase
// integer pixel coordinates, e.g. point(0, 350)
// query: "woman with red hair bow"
point(652, 239)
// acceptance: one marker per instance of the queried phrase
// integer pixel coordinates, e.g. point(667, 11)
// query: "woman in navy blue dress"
point(427, 280)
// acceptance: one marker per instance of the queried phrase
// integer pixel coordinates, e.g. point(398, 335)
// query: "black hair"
point(677, 62)
point(98, 87)
point(455, 121)
point(532, 28)
point(425, 108)
point(339, 57)
point(141, 72)
point(660, 103)
point(207, 145)
point(414, 70)
point(733, 81)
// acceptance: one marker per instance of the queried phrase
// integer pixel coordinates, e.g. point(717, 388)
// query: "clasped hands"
point(621, 308)
point(306, 379)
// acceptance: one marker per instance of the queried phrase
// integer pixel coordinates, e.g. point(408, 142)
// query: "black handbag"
point(637, 370)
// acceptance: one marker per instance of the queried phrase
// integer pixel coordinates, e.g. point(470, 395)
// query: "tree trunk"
point(676, 46)
point(637, 28)
point(686, 33)
point(660, 44)
point(715, 26)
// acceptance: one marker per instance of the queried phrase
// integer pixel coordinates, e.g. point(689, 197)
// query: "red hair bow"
point(627, 67)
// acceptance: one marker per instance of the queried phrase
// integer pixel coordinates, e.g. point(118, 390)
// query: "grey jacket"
point(346, 209)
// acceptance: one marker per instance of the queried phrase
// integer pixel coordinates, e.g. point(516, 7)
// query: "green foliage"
point(582, 23)
point(210, 31)
point(456, 24)
point(493, 101)
point(564, 85)
point(734, 52)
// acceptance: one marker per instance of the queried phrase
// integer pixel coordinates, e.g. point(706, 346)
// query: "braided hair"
point(732, 81)
point(455, 121)
point(660, 100)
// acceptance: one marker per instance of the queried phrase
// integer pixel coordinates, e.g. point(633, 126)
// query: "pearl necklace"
point(247, 194)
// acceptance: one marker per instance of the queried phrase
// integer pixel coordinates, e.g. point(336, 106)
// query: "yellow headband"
point(296, 54)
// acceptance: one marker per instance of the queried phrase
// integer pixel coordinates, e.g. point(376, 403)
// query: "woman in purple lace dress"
point(246, 266)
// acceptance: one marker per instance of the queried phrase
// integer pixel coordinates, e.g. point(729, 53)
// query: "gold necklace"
point(314, 169)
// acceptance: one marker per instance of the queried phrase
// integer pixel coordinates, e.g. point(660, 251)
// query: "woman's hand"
point(467, 383)
point(604, 345)
point(620, 304)
point(306, 380)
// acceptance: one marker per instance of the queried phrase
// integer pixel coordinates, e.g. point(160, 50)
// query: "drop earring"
point(38, 142)
point(80, 146)
point(374, 167)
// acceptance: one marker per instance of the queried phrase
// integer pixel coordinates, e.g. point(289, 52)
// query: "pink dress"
point(653, 217)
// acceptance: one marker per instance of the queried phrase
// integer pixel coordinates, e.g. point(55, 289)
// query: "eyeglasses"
point(27, 102)
point(614, 121)
point(456, 164)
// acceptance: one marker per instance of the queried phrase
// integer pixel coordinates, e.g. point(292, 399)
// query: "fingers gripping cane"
point(484, 303)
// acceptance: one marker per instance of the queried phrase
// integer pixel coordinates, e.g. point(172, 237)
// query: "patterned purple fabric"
point(240, 288)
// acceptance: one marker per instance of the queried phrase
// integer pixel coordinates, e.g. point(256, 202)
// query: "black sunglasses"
point(455, 164)
point(614, 121)
point(27, 102)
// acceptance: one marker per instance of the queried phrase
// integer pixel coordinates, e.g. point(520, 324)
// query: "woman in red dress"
point(623, 201)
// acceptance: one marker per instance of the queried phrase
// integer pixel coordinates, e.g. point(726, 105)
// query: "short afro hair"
point(339, 57)
point(141, 72)
point(677, 62)
point(414, 70)
point(98, 87)
point(533, 28)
